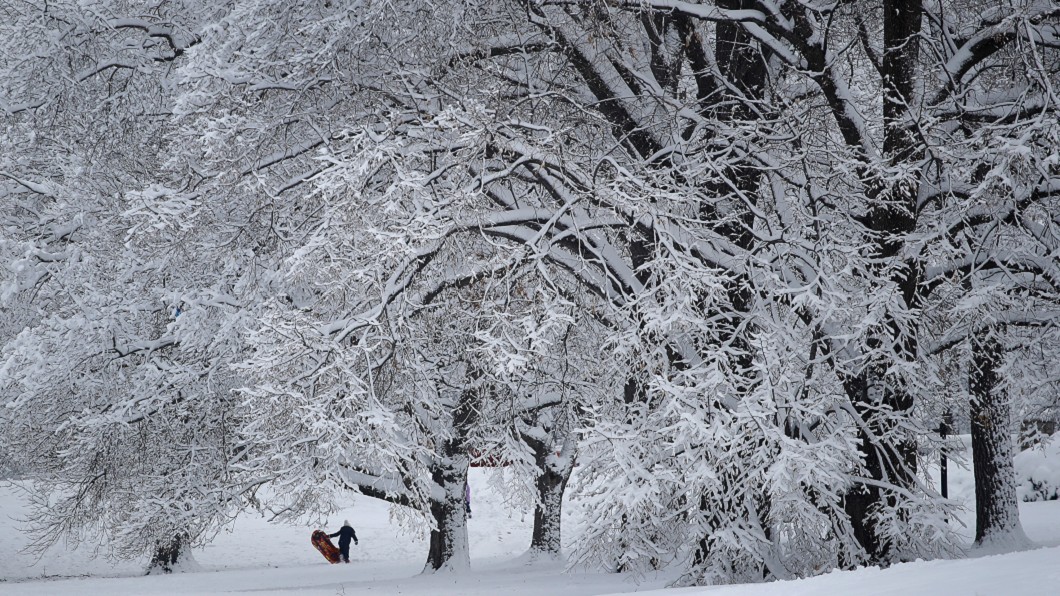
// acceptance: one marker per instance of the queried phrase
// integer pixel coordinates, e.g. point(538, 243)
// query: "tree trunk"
point(169, 554)
point(553, 473)
point(997, 520)
point(885, 459)
point(547, 534)
point(449, 543)
point(888, 457)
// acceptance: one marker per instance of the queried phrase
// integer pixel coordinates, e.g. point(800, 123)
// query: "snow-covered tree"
point(712, 174)
point(737, 253)
point(114, 379)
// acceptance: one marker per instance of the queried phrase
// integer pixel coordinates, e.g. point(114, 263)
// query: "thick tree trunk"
point(547, 534)
point(449, 544)
point(553, 473)
point(997, 520)
point(169, 555)
point(885, 459)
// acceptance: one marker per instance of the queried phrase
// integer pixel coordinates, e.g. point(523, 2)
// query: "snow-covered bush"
point(1038, 471)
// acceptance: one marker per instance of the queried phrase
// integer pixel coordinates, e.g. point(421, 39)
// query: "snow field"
point(277, 559)
point(267, 558)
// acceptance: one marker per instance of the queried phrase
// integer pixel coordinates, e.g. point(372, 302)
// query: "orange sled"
point(323, 544)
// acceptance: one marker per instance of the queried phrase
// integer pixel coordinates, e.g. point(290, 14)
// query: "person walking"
point(345, 534)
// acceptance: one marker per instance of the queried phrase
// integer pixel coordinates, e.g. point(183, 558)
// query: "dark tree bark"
point(554, 471)
point(168, 554)
point(885, 460)
point(996, 506)
point(547, 533)
point(880, 403)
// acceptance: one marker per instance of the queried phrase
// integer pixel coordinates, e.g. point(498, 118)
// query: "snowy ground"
point(263, 559)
